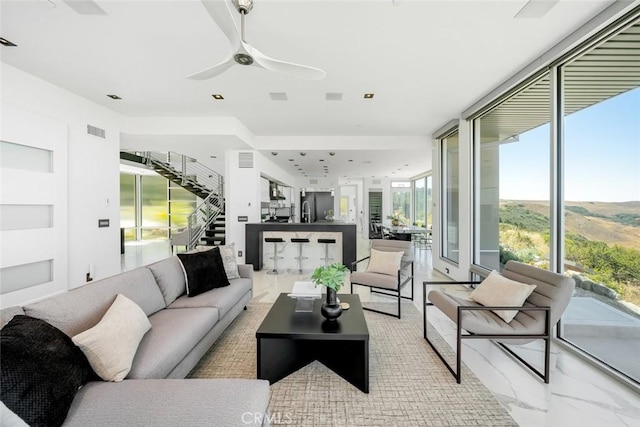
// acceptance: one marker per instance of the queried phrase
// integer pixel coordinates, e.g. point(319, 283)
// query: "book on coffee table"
point(306, 290)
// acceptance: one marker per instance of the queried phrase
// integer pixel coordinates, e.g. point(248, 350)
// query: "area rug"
point(409, 385)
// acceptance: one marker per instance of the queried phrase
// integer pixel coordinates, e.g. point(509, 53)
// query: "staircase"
point(206, 224)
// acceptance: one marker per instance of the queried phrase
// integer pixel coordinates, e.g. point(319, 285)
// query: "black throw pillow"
point(203, 271)
point(41, 371)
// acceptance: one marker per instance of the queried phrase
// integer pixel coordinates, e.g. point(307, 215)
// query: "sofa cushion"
point(203, 271)
point(111, 345)
point(192, 402)
point(221, 298)
point(170, 278)
point(41, 370)
point(173, 335)
point(82, 308)
point(375, 279)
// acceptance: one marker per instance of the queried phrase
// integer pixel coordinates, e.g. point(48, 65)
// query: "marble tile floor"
point(579, 394)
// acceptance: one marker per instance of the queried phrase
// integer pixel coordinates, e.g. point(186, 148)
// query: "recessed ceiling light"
point(368, 95)
point(303, 154)
point(321, 160)
point(296, 165)
point(331, 153)
point(406, 165)
point(214, 157)
point(217, 96)
point(351, 160)
point(274, 153)
point(291, 160)
point(367, 161)
point(114, 96)
point(5, 42)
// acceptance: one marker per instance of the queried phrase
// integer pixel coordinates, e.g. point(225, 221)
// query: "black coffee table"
point(288, 341)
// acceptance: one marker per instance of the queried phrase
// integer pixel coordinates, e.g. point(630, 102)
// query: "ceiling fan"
point(242, 52)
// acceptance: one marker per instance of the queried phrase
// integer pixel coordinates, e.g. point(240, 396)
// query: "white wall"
point(93, 170)
point(243, 193)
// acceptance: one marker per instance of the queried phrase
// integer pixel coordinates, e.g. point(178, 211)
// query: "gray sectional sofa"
point(183, 329)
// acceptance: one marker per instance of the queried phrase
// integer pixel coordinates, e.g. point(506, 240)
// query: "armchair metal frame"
point(389, 292)
point(546, 336)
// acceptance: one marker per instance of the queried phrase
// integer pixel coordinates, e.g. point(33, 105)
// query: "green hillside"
point(602, 239)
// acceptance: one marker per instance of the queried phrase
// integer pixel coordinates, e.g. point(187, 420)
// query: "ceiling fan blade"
point(288, 68)
point(212, 71)
point(221, 15)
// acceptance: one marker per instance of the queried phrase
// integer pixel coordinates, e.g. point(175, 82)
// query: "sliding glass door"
point(602, 202)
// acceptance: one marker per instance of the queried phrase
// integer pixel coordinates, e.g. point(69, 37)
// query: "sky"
point(602, 155)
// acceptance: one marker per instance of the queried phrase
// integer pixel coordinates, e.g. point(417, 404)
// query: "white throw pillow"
point(497, 290)
point(385, 262)
point(111, 345)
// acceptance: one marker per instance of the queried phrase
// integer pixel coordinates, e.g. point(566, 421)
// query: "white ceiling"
point(426, 61)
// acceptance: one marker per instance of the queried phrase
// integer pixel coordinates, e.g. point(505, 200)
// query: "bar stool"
point(300, 242)
point(326, 243)
point(275, 241)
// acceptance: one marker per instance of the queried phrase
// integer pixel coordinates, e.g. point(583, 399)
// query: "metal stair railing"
point(187, 169)
point(202, 216)
point(193, 176)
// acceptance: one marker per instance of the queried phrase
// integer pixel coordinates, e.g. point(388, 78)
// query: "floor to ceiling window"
point(596, 237)
point(401, 200)
point(181, 204)
point(128, 212)
point(155, 215)
point(422, 201)
point(419, 202)
point(450, 196)
point(602, 201)
point(512, 204)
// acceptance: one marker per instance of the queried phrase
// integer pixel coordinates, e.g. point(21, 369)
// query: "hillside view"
point(602, 240)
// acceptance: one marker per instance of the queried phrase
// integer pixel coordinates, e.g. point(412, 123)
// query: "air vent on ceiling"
point(95, 131)
point(375, 182)
point(313, 182)
point(333, 96)
point(278, 96)
point(245, 160)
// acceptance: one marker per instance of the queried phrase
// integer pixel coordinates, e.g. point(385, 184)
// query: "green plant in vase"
point(397, 218)
point(331, 276)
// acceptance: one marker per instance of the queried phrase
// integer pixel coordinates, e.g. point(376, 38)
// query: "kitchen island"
point(258, 252)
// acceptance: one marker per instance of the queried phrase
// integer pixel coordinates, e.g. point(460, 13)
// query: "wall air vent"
point(92, 130)
point(313, 182)
point(245, 160)
point(375, 182)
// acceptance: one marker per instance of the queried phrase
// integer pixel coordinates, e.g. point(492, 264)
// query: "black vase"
point(330, 309)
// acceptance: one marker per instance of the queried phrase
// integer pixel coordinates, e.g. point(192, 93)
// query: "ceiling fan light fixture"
point(243, 52)
point(243, 59)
